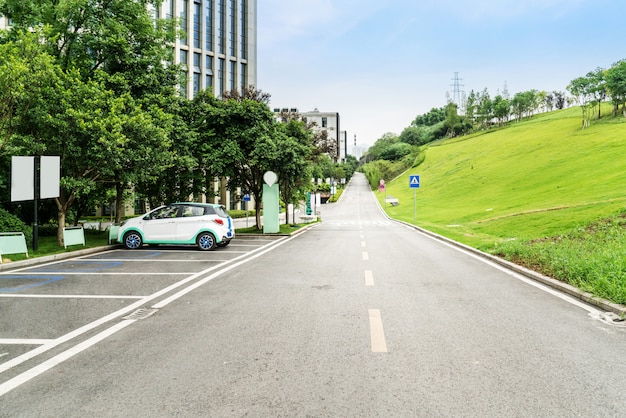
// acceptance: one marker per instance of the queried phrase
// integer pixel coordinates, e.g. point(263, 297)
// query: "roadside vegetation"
point(542, 192)
point(100, 91)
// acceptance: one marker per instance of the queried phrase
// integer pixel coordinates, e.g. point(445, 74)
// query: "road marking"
point(36, 296)
point(133, 306)
point(369, 278)
point(47, 365)
point(71, 273)
point(377, 334)
point(23, 341)
point(363, 244)
point(366, 256)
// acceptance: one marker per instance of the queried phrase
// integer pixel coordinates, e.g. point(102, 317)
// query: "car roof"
point(197, 204)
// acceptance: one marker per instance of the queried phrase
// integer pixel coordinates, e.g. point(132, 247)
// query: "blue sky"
point(380, 63)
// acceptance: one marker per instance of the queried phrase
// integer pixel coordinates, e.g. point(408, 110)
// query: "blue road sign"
point(246, 197)
point(414, 182)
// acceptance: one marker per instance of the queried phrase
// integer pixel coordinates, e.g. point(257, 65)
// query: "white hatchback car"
point(202, 224)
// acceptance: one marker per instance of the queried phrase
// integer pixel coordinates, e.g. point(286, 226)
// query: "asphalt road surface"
point(358, 316)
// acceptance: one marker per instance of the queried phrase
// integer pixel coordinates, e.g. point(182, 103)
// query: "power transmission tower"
point(458, 94)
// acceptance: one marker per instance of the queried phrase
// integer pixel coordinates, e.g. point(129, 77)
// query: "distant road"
point(359, 316)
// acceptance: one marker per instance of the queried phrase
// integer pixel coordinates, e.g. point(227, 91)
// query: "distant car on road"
point(203, 224)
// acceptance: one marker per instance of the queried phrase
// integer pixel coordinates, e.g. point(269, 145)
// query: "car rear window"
point(221, 211)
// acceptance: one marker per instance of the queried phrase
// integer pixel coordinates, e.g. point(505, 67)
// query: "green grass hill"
point(535, 182)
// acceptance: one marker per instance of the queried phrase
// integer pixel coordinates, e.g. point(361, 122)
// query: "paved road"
point(357, 316)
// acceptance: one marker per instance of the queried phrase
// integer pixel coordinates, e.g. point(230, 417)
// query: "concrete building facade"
point(220, 46)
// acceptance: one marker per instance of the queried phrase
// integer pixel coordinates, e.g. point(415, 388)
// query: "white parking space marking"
point(23, 341)
point(221, 267)
point(152, 260)
point(47, 365)
point(100, 273)
point(34, 296)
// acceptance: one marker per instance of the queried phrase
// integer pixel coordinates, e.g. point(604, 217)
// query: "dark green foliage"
point(11, 223)
point(396, 151)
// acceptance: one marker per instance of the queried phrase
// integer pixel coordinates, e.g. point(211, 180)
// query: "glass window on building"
point(197, 27)
point(243, 76)
point(168, 6)
point(232, 75)
point(184, 73)
point(208, 71)
point(220, 77)
point(221, 23)
point(208, 32)
point(324, 122)
point(232, 29)
point(196, 83)
point(243, 10)
point(184, 22)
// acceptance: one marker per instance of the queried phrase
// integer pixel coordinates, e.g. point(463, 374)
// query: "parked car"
point(202, 224)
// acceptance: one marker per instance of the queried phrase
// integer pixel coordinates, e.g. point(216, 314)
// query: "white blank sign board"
point(50, 177)
point(22, 178)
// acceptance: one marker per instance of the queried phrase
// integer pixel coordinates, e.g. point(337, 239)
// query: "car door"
point(161, 225)
point(189, 223)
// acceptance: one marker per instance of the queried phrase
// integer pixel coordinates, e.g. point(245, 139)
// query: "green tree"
point(597, 88)
point(484, 109)
point(416, 135)
point(616, 85)
point(376, 151)
point(247, 133)
point(452, 119)
point(25, 69)
point(433, 117)
point(121, 39)
point(501, 109)
point(582, 90)
point(292, 162)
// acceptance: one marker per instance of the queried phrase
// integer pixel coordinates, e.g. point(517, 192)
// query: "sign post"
point(414, 183)
point(35, 178)
point(246, 199)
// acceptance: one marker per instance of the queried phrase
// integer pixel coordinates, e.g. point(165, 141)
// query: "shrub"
point(11, 223)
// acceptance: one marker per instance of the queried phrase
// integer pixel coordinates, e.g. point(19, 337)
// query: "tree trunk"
point(257, 210)
point(63, 203)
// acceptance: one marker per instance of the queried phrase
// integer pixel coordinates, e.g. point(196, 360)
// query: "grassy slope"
point(533, 179)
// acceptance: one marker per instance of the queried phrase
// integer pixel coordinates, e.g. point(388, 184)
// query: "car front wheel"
point(132, 240)
point(206, 241)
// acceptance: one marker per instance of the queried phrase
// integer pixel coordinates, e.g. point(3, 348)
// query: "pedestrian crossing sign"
point(414, 182)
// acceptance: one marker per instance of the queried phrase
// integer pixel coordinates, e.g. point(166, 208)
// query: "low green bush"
point(11, 223)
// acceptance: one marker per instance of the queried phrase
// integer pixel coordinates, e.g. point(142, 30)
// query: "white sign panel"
point(22, 178)
point(50, 177)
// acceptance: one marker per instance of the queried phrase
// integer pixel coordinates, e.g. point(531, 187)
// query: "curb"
point(54, 257)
